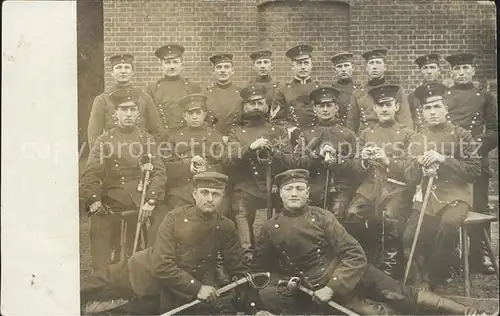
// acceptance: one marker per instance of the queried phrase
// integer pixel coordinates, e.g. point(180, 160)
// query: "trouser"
point(380, 235)
point(221, 306)
point(105, 233)
point(436, 242)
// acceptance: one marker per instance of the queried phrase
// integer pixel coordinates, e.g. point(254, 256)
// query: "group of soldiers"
point(322, 183)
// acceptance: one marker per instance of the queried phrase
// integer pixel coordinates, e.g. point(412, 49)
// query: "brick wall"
point(407, 28)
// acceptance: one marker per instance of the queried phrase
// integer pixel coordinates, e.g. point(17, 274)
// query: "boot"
point(486, 265)
point(392, 251)
point(434, 303)
point(369, 307)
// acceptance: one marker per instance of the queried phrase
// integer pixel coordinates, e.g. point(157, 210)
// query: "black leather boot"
point(392, 255)
point(431, 302)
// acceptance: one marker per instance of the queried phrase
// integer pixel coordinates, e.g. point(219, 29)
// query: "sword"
point(249, 278)
point(294, 284)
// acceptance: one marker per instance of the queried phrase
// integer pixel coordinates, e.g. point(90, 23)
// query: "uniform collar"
point(345, 82)
point(295, 213)
point(224, 86)
point(302, 81)
point(441, 127)
point(376, 81)
point(465, 86)
point(267, 78)
point(128, 130)
point(388, 124)
point(331, 122)
point(171, 78)
point(118, 85)
point(204, 216)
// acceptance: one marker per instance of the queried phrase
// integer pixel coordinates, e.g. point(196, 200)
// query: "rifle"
point(146, 166)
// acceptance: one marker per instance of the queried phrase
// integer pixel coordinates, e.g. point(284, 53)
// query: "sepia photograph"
point(285, 157)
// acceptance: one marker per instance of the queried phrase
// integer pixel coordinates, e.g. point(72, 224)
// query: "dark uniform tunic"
point(416, 106)
point(342, 177)
point(361, 115)
point(224, 105)
point(346, 88)
point(450, 198)
point(181, 261)
point(166, 93)
point(292, 104)
point(101, 116)
point(112, 175)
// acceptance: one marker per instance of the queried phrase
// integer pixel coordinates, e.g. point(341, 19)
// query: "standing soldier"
point(167, 91)
point(193, 148)
point(250, 149)
point(431, 70)
point(112, 180)
point(343, 66)
point(223, 98)
point(101, 116)
point(361, 114)
point(263, 66)
point(446, 153)
point(292, 106)
point(330, 161)
point(476, 112)
point(383, 195)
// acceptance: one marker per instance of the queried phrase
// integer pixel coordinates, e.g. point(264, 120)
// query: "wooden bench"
point(474, 218)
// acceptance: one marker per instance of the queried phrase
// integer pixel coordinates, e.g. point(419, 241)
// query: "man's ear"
point(315, 109)
point(473, 70)
point(396, 105)
point(194, 194)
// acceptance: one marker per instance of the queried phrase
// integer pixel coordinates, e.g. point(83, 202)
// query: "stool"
point(124, 217)
point(474, 218)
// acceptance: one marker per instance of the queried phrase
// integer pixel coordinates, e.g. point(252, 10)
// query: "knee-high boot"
point(432, 302)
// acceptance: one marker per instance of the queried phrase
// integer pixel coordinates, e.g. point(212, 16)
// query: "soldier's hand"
point(431, 156)
point(366, 153)
point(261, 143)
point(198, 164)
point(323, 295)
point(207, 294)
point(327, 149)
point(95, 207)
point(381, 156)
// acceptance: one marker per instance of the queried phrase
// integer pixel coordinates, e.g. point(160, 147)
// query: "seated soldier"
point(112, 180)
point(446, 153)
point(308, 242)
point(180, 267)
point(381, 199)
point(327, 150)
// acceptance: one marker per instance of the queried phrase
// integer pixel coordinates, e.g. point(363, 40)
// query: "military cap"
point(193, 101)
point(121, 58)
point(384, 93)
point(342, 58)
point(124, 97)
point(291, 176)
point(324, 95)
point(299, 52)
point(431, 92)
point(260, 54)
point(221, 58)
point(169, 51)
point(432, 58)
point(253, 92)
point(375, 53)
point(461, 59)
point(210, 179)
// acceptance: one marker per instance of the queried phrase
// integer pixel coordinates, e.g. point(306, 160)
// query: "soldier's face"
point(435, 112)
point(344, 70)
point(208, 200)
point(122, 73)
point(224, 72)
point(195, 118)
point(294, 195)
point(386, 111)
point(463, 73)
point(375, 68)
point(172, 67)
point(263, 66)
point(258, 105)
point(127, 114)
point(430, 72)
point(325, 111)
point(302, 68)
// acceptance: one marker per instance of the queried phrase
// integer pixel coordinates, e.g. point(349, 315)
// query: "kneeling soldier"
point(382, 197)
point(327, 150)
point(446, 152)
point(112, 180)
point(308, 242)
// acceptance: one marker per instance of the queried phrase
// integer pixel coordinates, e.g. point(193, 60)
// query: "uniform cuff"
point(93, 198)
point(193, 287)
point(337, 285)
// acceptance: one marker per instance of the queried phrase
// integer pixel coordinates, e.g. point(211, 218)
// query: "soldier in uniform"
point(180, 267)
point(292, 106)
point(360, 114)
point(339, 142)
point(101, 116)
point(250, 148)
point(167, 91)
point(223, 97)
point(263, 66)
point(447, 153)
point(113, 176)
point(343, 66)
point(476, 112)
point(381, 199)
point(193, 148)
point(430, 69)
point(309, 243)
